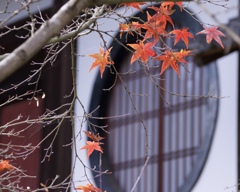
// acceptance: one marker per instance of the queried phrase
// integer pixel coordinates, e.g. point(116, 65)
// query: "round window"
point(165, 119)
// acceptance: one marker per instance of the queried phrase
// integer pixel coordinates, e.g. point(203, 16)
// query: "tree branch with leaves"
point(77, 18)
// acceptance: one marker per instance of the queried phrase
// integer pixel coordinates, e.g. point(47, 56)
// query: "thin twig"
point(140, 175)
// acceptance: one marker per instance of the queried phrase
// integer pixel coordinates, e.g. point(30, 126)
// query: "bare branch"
point(47, 31)
point(140, 175)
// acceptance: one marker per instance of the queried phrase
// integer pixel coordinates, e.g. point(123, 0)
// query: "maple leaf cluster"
point(170, 58)
point(92, 145)
point(155, 28)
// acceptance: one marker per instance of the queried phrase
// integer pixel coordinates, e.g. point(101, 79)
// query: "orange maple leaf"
point(143, 51)
point(4, 164)
point(212, 33)
point(155, 27)
point(125, 28)
point(94, 137)
point(130, 28)
point(135, 5)
point(88, 188)
point(102, 60)
point(91, 146)
point(162, 14)
point(182, 34)
point(170, 5)
point(172, 59)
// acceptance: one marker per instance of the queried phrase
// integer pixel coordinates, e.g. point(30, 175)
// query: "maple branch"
point(98, 11)
point(47, 31)
point(16, 12)
point(4, 56)
point(112, 2)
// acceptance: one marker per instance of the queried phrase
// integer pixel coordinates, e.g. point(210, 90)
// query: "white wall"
point(220, 170)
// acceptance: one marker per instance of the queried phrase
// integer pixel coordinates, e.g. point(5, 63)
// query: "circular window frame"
point(108, 181)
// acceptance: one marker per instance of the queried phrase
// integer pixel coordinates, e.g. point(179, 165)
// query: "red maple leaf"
point(155, 27)
point(143, 51)
point(135, 5)
point(91, 146)
point(172, 59)
point(4, 164)
point(162, 14)
point(102, 59)
point(212, 33)
point(88, 188)
point(182, 34)
point(181, 55)
point(170, 5)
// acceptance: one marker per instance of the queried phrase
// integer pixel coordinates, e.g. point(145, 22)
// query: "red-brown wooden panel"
point(27, 111)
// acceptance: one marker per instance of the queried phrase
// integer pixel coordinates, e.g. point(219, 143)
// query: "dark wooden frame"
point(56, 83)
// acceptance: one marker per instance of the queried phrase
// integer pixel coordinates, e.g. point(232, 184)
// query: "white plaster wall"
point(220, 171)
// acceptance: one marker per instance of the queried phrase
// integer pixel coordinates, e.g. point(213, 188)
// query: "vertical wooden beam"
point(57, 81)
